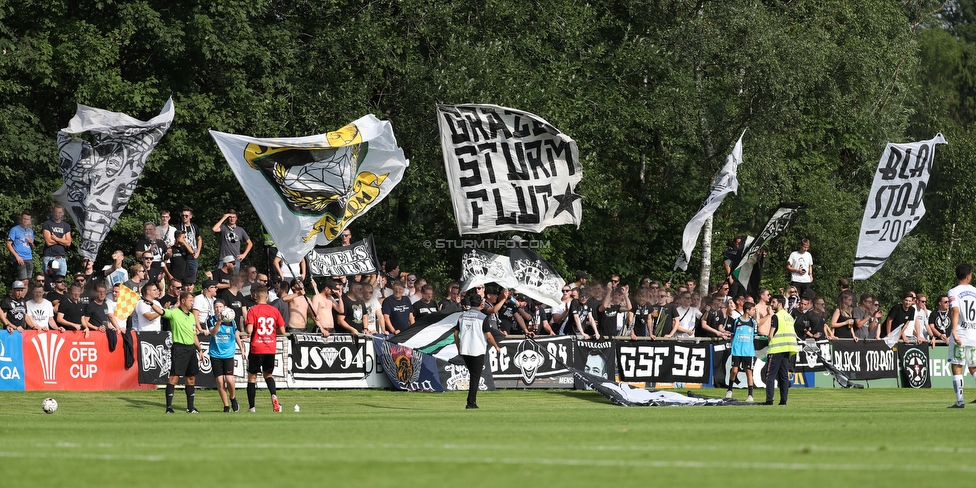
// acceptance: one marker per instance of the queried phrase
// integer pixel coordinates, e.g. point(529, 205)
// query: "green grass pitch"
point(549, 438)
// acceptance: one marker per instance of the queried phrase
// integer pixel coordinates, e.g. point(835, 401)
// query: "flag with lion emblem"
point(306, 190)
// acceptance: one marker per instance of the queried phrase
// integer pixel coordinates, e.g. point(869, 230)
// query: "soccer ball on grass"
point(49, 405)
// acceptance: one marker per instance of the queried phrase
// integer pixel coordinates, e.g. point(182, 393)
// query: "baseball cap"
point(228, 259)
point(18, 285)
point(582, 275)
point(209, 283)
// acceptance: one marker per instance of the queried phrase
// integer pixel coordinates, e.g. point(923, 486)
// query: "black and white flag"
point(99, 178)
point(749, 262)
point(725, 182)
point(508, 169)
point(535, 278)
point(480, 267)
point(895, 204)
point(355, 259)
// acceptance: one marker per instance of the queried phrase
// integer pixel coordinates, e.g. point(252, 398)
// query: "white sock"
point(957, 385)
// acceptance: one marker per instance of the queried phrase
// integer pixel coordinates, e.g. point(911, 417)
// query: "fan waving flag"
point(306, 190)
point(431, 334)
point(508, 169)
point(895, 204)
point(126, 303)
point(747, 268)
point(535, 277)
point(726, 181)
point(99, 178)
point(480, 267)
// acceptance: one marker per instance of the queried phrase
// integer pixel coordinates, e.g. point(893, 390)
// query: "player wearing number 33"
point(962, 329)
point(263, 324)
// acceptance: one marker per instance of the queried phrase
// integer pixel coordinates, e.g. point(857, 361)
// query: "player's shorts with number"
point(962, 355)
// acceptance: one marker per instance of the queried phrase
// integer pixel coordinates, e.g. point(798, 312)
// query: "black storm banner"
point(508, 169)
point(864, 360)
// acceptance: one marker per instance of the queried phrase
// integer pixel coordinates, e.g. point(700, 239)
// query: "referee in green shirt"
point(186, 346)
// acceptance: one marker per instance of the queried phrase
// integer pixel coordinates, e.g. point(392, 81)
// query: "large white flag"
point(306, 190)
point(508, 169)
point(895, 203)
point(726, 182)
point(99, 178)
point(481, 267)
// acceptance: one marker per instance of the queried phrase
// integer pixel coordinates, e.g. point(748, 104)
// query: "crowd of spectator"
point(165, 262)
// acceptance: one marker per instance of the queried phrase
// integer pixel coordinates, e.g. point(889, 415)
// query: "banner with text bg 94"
point(895, 204)
point(508, 169)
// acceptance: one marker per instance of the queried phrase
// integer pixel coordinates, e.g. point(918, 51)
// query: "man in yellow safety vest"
point(782, 348)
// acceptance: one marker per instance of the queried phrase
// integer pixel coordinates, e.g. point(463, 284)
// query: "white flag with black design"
point(745, 268)
point(99, 178)
point(535, 278)
point(508, 169)
point(726, 181)
point(895, 204)
point(306, 190)
point(480, 267)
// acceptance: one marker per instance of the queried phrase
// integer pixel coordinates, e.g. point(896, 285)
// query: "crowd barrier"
point(43, 360)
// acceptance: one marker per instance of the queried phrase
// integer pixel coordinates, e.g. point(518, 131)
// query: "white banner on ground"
point(895, 204)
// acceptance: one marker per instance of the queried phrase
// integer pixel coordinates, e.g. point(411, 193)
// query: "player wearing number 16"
point(263, 323)
point(962, 330)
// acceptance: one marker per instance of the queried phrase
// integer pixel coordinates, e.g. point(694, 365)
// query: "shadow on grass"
point(136, 403)
point(388, 407)
point(589, 396)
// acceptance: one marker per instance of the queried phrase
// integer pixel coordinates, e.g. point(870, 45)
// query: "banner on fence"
point(11, 361)
point(532, 364)
point(667, 362)
point(339, 356)
point(596, 358)
point(154, 361)
point(913, 362)
point(864, 360)
point(70, 361)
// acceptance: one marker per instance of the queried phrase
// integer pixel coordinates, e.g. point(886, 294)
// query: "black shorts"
point(222, 367)
point(744, 363)
point(258, 362)
point(184, 360)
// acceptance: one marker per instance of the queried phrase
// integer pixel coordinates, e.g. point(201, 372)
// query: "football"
point(49, 405)
point(227, 315)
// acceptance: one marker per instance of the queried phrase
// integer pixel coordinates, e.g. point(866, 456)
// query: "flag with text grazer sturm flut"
point(508, 169)
point(306, 190)
point(481, 267)
point(99, 178)
point(725, 182)
point(535, 278)
point(894, 205)
point(749, 262)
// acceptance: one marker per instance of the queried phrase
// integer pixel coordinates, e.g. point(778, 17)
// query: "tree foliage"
point(655, 93)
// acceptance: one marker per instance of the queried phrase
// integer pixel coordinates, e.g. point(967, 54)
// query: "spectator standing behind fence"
point(901, 314)
point(616, 304)
point(686, 317)
point(743, 348)
point(939, 321)
point(842, 322)
point(472, 337)
point(962, 336)
point(922, 317)
point(57, 239)
point(20, 243)
point(800, 266)
point(231, 236)
point(782, 348)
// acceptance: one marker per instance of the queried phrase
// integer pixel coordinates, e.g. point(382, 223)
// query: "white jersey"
point(802, 261)
point(471, 334)
point(139, 321)
point(963, 298)
point(688, 319)
point(40, 312)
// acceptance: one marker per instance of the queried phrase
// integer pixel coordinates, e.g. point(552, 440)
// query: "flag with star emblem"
point(508, 169)
point(306, 190)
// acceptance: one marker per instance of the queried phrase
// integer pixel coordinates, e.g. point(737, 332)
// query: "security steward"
point(782, 349)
